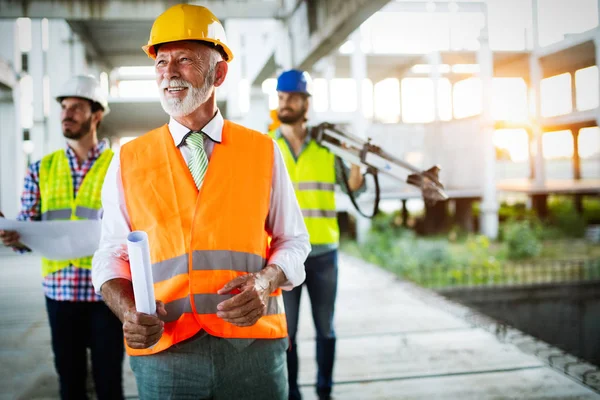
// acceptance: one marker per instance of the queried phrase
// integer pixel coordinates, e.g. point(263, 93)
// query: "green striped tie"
point(198, 163)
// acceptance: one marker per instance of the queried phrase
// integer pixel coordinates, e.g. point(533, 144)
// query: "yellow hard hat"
point(187, 22)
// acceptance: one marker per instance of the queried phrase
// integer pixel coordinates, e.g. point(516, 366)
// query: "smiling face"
point(185, 75)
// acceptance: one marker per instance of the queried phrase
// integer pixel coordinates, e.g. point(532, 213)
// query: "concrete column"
point(283, 52)
point(452, 82)
point(577, 198)
point(12, 161)
point(59, 50)
point(435, 60)
point(329, 75)
point(38, 133)
point(489, 205)
point(576, 157)
point(400, 101)
point(358, 66)
point(257, 117)
point(535, 74)
point(531, 146)
point(234, 74)
point(79, 63)
point(597, 42)
point(573, 91)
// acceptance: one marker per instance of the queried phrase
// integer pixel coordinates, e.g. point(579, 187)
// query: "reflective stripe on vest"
point(65, 213)
point(199, 241)
point(207, 304)
point(57, 202)
point(313, 177)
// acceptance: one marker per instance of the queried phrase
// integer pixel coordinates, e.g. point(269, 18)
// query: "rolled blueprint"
point(141, 272)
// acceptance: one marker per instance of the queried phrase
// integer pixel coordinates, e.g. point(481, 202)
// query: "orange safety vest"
point(199, 241)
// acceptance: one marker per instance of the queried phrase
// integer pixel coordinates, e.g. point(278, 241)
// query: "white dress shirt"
point(289, 246)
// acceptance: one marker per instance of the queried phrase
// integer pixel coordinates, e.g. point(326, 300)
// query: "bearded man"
point(224, 228)
point(67, 184)
point(314, 171)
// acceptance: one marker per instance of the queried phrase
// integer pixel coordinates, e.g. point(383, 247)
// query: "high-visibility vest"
point(313, 176)
point(57, 202)
point(199, 241)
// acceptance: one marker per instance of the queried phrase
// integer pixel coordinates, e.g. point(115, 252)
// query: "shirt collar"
point(94, 153)
point(307, 138)
point(214, 129)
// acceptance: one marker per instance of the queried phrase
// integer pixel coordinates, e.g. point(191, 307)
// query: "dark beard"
point(293, 117)
point(84, 130)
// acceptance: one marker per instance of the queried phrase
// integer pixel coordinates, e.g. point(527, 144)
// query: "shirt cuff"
point(291, 267)
point(106, 268)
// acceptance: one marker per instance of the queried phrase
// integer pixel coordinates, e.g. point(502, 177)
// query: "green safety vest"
point(313, 176)
point(56, 190)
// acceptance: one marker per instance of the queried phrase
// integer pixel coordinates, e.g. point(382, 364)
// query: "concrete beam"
point(336, 20)
point(128, 59)
point(8, 76)
point(267, 71)
point(435, 6)
point(91, 48)
point(138, 10)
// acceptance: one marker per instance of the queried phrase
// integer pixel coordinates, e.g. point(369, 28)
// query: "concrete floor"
point(392, 345)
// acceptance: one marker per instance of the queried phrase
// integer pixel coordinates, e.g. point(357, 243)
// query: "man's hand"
point(245, 308)
point(11, 238)
point(140, 330)
point(355, 180)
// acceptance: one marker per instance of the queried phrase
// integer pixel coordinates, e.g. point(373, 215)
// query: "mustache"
point(69, 120)
point(286, 109)
point(167, 83)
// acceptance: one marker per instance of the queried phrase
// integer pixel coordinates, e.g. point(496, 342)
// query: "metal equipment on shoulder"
point(362, 152)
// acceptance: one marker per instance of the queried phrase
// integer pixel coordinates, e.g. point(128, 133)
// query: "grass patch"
point(528, 252)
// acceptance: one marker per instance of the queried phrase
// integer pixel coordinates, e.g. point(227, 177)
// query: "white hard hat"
point(86, 87)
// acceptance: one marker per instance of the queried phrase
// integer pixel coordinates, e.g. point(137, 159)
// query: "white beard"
point(194, 98)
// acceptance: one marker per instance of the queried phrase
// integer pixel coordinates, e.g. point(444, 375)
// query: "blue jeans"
point(75, 326)
point(321, 282)
point(207, 367)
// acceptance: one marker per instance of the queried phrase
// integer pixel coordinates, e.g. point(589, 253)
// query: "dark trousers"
point(321, 282)
point(76, 326)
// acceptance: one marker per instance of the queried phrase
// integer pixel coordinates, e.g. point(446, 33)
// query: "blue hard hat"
point(294, 81)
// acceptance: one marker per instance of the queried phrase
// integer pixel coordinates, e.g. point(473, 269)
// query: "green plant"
point(591, 210)
point(521, 240)
point(565, 217)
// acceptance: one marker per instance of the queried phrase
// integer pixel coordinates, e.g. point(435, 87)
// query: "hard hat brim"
point(105, 108)
point(150, 48)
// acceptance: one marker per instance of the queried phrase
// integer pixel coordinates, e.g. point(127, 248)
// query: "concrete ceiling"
point(145, 10)
point(114, 43)
point(113, 31)
point(8, 78)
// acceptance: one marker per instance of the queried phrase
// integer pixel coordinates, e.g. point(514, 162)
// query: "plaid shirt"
point(71, 283)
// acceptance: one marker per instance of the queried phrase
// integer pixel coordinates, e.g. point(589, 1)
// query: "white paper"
point(57, 240)
point(141, 272)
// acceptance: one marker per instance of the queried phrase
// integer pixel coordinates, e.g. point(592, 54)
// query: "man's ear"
point(97, 117)
point(221, 72)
